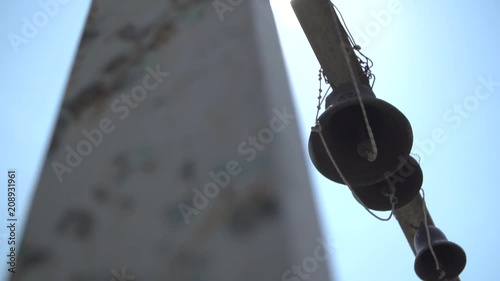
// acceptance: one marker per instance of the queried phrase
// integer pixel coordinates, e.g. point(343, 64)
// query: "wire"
point(349, 35)
point(366, 61)
point(323, 99)
point(321, 75)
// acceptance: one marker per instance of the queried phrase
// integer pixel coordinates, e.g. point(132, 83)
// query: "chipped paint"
point(32, 256)
point(122, 167)
point(77, 221)
point(187, 171)
point(101, 195)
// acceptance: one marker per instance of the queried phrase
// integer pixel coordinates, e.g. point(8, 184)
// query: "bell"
point(344, 129)
point(407, 182)
point(451, 257)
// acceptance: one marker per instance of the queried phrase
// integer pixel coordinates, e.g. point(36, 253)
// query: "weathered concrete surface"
point(119, 205)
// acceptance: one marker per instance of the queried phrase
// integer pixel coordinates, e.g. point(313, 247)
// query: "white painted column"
point(177, 154)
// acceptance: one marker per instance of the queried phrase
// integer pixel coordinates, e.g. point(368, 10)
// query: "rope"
point(426, 224)
point(416, 156)
point(368, 62)
point(393, 199)
point(371, 156)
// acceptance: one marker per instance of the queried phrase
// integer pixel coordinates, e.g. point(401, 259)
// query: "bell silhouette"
point(344, 130)
point(407, 182)
point(451, 257)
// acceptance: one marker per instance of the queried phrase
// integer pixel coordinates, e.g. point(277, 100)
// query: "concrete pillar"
point(176, 155)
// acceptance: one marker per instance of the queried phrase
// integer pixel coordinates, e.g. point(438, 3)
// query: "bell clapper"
point(365, 150)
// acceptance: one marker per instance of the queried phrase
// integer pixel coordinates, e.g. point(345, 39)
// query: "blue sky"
point(430, 58)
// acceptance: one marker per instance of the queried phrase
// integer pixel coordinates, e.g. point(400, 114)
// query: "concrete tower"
point(176, 155)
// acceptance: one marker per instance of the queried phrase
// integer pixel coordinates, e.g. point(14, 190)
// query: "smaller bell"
point(451, 257)
point(407, 182)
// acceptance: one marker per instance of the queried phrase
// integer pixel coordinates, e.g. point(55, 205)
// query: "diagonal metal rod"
point(318, 20)
point(319, 25)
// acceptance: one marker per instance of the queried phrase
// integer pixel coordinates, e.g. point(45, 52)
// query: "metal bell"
point(407, 182)
point(451, 257)
point(344, 129)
